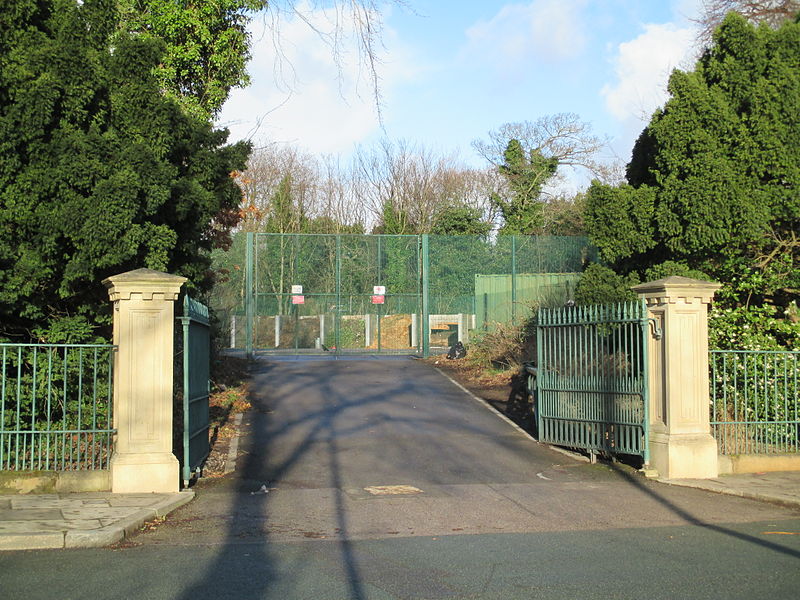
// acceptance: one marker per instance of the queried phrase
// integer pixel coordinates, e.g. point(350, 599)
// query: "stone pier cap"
point(146, 282)
point(670, 289)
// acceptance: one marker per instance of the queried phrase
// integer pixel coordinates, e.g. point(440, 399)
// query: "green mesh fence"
point(297, 293)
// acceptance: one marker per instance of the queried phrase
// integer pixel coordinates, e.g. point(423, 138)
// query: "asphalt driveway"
point(375, 478)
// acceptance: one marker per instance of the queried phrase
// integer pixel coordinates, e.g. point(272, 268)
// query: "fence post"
point(249, 295)
point(681, 444)
point(426, 320)
point(513, 279)
point(143, 367)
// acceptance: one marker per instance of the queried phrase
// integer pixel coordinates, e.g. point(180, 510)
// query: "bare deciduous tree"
point(314, 192)
point(362, 17)
point(335, 200)
point(771, 12)
point(562, 136)
point(415, 184)
point(268, 169)
point(286, 190)
point(529, 158)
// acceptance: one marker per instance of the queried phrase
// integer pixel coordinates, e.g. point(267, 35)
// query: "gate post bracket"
point(657, 331)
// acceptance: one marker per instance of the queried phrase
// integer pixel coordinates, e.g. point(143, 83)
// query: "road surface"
point(381, 479)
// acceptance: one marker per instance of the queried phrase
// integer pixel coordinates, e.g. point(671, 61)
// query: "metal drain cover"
point(392, 490)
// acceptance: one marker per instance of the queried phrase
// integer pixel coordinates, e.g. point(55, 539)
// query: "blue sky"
point(453, 70)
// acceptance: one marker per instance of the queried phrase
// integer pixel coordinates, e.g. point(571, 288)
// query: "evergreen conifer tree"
point(100, 172)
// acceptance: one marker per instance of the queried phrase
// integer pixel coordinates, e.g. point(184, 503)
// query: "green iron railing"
point(755, 401)
point(591, 379)
point(55, 406)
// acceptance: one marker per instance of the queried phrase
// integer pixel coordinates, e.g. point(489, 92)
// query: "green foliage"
point(620, 220)
point(716, 172)
point(565, 216)
point(325, 224)
point(99, 172)
point(526, 174)
point(460, 220)
point(601, 285)
point(740, 317)
point(394, 221)
point(713, 184)
point(751, 328)
point(284, 216)
point(207, 46)
point(671, 268)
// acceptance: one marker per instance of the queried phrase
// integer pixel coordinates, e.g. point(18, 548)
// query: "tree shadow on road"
point(281, 441)
point(637, 481)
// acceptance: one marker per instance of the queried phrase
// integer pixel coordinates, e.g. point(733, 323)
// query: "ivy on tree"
point(99, 171)
point(460, 220)
point(526, 174)
point(528, 155)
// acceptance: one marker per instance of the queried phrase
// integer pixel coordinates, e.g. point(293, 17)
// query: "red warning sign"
point(298, 299)
point(377, 299)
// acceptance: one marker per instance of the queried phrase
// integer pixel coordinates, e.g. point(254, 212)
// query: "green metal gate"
point(592, 378)
point(333, 293)
point(196, 376)
point(389, 294)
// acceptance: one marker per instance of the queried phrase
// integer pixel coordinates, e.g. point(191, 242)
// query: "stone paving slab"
point(41, 525)
point(777, 487)
point(28, 502)
point(99, 512)
point(30, 514)
point(79, 520)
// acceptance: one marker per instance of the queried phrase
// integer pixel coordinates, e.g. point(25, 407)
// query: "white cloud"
point(642, 67)
point(300, 93)
point(541, 31)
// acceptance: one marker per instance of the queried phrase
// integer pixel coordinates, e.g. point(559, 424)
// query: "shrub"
point(601, 285)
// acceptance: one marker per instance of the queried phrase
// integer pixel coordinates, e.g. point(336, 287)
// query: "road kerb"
point(572, 455)
point(37, 540)
point(729, 491)
point(233, 448)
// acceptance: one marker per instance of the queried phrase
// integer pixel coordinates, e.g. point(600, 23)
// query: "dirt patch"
point(230, 396)
point(395, 333)
point(214, 465)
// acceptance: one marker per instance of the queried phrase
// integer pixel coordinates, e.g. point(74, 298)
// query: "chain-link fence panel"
point(386, 293)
